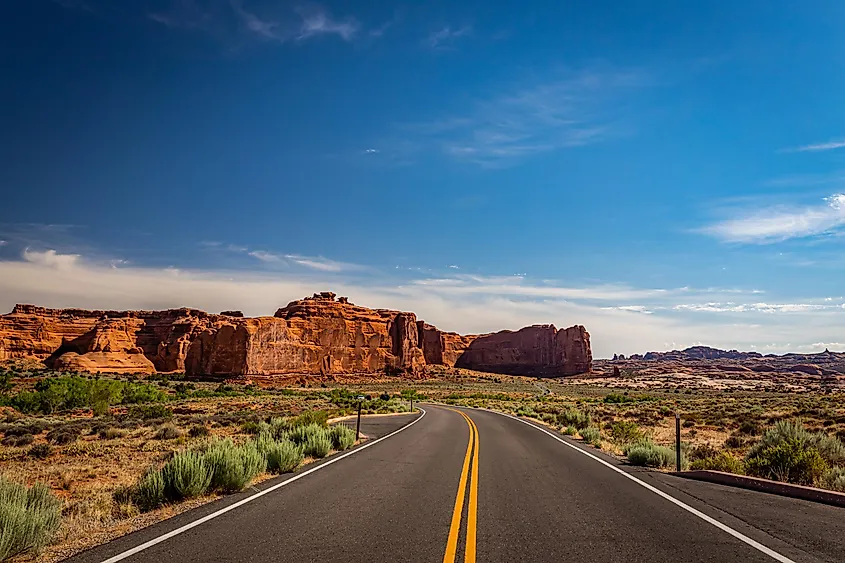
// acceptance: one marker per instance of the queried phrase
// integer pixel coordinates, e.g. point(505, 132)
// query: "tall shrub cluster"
point(220, 465)
point(789, 452)
point(29, 517)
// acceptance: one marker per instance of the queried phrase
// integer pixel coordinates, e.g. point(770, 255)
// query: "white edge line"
point(204, 519)
point(738, 535)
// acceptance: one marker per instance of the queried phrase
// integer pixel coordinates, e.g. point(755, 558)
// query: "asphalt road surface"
point(472, 485)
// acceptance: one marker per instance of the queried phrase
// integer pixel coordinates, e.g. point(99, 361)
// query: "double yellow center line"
point(469, 471)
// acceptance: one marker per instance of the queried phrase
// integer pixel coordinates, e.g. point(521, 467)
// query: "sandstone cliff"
point(321, 334)
point(539, 350)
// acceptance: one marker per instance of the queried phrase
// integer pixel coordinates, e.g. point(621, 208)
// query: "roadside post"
point(678, 440)
point(358, 424)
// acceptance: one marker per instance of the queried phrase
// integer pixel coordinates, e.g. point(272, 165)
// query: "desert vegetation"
point(787, 436)
point(114, 453)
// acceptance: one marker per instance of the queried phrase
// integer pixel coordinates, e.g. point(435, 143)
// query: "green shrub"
point(615, 398)
point(148, 494)
point(283, 456)
point(789, 452)
point(251, 427)
point(186, 476)
point(40, 451)
point(232, 467)
point(722, 461)
point(302, 434)
point(318, 442)
point(29, 517)
point(831, 448)
point(168, 432)
point(526, 410)
point(278, 427)
point(624, 432)
point(651, 455)
point(342, 437)
point(570, 431)
point(833, 479)
point(703, 451)
point(591, 435)
point(54, 394)
point(319, 418)
point(574, 417)
point(149, 412)
point(789, 460)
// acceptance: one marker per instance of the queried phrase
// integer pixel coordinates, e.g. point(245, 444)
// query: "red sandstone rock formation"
point(316, 335)
point(442, 348)
point(539, 350)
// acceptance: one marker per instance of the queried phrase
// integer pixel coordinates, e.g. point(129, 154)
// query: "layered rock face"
point(122, 341)
point(540, 350)
point(316, 335)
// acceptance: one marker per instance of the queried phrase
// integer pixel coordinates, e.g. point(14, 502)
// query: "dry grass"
point(112, 453)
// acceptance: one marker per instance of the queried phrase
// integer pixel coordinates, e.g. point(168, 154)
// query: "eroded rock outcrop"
point(318, 335)
point(540, 350)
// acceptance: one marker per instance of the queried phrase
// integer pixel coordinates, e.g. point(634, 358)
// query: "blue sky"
point(665, 174)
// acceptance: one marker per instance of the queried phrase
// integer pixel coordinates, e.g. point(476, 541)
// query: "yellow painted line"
point(469, 473)
point(454, 529)
point(469, 553)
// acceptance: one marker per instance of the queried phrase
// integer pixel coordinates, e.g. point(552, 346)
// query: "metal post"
point(412, 404)
point(678, 440)
point(358, 425)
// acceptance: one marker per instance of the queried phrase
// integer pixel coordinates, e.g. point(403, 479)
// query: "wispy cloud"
point(264, 22)
point(316, 21)
point(828, 146)
point(579, 109)
point(445, 37)
point(776, 224)
point(322, 264)
point(272, 258)
point(265, 256)
point(731, 307)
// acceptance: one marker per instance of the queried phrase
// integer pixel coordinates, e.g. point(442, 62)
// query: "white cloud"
point(265, 256)
point(442, 37)
point(372, 151)
point(51, 259)
point(320, 22)
point(753, 307)
point(777, 224)
point(831, 145)
point(631, 308)
point(466, 304)
point(576, 110)
point(3, 242)
point(322, 264)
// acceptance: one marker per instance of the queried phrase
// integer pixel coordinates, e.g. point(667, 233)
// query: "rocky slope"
point(318, 335)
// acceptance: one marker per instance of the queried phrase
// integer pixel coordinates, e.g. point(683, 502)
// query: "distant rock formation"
point(318, 335)
point(539, 350)
point(823, 364)
point(698, 353)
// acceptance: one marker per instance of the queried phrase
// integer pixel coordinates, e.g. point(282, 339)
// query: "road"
point(472, 485)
